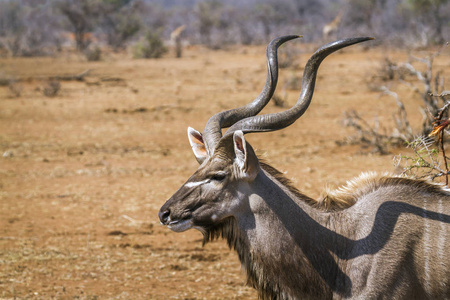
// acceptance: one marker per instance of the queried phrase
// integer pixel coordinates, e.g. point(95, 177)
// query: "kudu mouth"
point(177, 225)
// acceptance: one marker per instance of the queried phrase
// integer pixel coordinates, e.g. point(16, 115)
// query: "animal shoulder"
point(369, 182)
point(356, 188)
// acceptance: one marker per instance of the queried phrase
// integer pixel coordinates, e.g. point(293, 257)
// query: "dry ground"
point(84, 173)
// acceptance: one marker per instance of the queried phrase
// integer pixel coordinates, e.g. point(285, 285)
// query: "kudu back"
point(379, 237)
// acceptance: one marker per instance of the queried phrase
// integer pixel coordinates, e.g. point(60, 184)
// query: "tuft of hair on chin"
point(227, 229)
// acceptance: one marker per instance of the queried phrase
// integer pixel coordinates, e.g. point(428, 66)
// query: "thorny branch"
point(371, 135)
point(432, 82)
point(401, 118)
point(439, 130)
point(424, 163)
point(426, 160)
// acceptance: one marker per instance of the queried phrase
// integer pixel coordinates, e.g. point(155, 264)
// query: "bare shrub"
point(288, 57)
point(293, 82)
point(405, 73)
point(51, 88)
point(15, 87)
point(279, 101)
point(374, 137)
point(431, 82)
point(93, 53)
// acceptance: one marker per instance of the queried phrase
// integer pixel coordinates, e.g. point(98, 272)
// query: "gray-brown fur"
point(379, 237)
point(370, 187)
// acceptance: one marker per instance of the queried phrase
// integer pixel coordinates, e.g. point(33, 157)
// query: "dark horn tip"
point(336, 45)
point(283, 39)
point(293, 36)
point(366, 38)
point(290, 37)
point(363, 39)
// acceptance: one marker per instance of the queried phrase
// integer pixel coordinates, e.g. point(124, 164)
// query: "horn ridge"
point(276, 121)
point(212, 132)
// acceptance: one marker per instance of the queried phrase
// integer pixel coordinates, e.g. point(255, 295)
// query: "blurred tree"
point(267, 15)
point(115, 3)
point(309, 9)
point(361, 12)
point(81, 14)
point(28, 29)
point(32, 27)
point(208, 17)
point(432, 12)
point(120, 21)
point(11, 26)
point(244, 20)
point(11, 18)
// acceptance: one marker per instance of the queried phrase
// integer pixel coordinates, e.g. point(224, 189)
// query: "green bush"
point(151, 46)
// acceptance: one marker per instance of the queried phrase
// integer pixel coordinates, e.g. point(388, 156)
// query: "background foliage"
point(43, 27)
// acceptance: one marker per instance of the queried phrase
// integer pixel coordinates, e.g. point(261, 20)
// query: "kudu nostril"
point(164, 216)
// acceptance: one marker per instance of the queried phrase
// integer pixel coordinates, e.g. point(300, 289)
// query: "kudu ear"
point(245, 156)
point(197, 144)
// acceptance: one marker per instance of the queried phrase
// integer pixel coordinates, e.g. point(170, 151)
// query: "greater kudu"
point(380, 237)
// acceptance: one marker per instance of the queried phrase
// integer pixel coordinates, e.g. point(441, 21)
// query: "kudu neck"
point(293, 261)
point(283, 200)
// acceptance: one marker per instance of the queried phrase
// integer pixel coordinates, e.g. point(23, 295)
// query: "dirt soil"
point(84, 173)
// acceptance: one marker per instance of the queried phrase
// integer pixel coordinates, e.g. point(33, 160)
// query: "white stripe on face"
point(194, 184)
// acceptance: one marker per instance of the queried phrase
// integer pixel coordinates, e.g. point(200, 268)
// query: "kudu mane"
point(347, 195)
point(366, 183)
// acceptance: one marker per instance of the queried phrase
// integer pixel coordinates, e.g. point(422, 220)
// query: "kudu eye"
point(219, 176)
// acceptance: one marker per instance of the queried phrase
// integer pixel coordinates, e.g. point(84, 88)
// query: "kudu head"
point(228, 164)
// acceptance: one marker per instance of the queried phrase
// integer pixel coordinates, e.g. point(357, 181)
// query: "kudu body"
point(380, 237)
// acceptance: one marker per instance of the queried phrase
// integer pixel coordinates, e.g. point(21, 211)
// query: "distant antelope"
point(379, 237)
point(175, 37)
point(331, 28)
